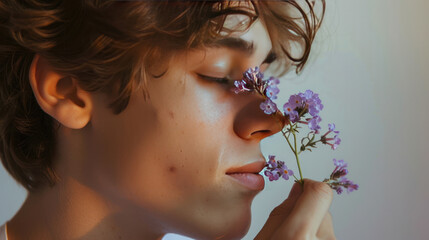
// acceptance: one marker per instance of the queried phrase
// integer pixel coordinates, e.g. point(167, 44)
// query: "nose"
point(251, 123)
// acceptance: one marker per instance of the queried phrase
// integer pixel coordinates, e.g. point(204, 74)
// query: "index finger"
point(309, 211)
point(279, 214)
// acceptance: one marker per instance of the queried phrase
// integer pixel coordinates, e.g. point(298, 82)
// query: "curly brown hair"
point(109, 46)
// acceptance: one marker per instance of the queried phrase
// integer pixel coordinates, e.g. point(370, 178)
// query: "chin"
point(238, 229)
point(231, 227)
point(237, 225)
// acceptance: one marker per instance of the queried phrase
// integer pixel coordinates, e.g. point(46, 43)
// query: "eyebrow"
point(241, 45)
point(236, 44)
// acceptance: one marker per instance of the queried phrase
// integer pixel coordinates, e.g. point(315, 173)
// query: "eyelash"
point(215, 79)
point(271, 58)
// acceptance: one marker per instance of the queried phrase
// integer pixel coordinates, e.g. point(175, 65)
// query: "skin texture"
point(303, 215)
point(160, 165)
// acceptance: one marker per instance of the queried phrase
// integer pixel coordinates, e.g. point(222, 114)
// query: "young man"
point(119, 119)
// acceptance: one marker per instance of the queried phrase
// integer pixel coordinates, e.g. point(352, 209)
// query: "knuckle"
point(279, 211)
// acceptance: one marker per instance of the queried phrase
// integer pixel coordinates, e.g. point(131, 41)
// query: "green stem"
point(296, 156)
point(295, 178)
point(287, 139)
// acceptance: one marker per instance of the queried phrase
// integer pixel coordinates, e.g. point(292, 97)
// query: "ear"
point(59, 96)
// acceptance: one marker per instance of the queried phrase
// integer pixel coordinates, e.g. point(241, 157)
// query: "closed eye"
point(271, 57)
point(223, 80)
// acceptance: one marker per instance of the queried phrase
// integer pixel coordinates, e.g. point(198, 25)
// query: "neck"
point(75, 207)
point(70, 210)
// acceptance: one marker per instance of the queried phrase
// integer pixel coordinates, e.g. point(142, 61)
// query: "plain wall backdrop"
point(370, 67)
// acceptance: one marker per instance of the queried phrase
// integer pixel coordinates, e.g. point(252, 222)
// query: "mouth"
point(248, 175)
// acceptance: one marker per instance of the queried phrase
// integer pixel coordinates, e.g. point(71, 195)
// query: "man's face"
point(164, 160)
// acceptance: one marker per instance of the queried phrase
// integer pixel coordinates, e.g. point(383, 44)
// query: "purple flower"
point(352, 187)
point(287, 108)
point(272, 163)
point(241, 86)
point(307, 101)
point(253, 75)
point(339, 173)
point(337, 142)
point(286, 172)
point(268, 106)
point(276, 169)
point(308, 94)
point(252, 80)
point(314, 108)
point(340, 163)
point(296, 101)
point(294, 117)
point(290, 112)
point(272, 81)
point(349, 185)
point(338, 178)
point(331, 128)
point(271, 92)
point(313, 124)
point(340, 169)
point(272, 175)
point(296, 109)
point(313, 102)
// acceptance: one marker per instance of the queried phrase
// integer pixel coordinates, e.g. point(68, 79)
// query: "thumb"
point(279, 213)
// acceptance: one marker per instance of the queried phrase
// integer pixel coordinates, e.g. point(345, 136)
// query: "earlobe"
point(59, 96)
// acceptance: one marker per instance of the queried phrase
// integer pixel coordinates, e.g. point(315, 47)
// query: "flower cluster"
point(253, 81)
point(301, 109)
point(338, 181)
point(333, 142)
point(302, 103)
point(277, 169)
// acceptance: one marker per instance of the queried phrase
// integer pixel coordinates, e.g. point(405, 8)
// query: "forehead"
point(248, 40)
point(248, 49)
point(241, 30)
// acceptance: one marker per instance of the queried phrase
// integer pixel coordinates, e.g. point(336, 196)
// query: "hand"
point(303, 215)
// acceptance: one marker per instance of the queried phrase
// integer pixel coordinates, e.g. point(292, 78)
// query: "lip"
point(252, 181)
point(254, 167)
point(248, 175)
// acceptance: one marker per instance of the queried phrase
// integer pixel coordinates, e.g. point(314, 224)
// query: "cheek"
point(194, 124)
point(165, 159)
point(159, 155)
point(172, 180)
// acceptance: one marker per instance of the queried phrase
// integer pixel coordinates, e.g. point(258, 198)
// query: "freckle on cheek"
point(171, 114)
point(172, 169)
